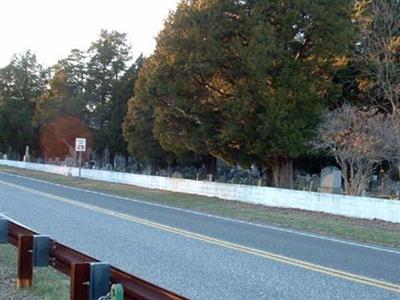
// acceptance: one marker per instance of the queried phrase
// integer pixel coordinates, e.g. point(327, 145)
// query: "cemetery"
point(382, 184)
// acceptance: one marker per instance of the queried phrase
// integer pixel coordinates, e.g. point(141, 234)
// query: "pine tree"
point(107, 63)
point(63, 98)
point(123, 91)
point(22, 81)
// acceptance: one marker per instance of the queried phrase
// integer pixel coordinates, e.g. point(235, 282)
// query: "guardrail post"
point(80, 277)
point(25, 266)
point(99, 279)
point(41, 250)
point(3, 231)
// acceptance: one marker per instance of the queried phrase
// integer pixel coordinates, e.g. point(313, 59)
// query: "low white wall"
point(359, 207)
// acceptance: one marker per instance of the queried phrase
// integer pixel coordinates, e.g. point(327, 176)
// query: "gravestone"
point(254, 171)
point(221, 178)
point(27, 156)
point(301, 182)
point(177, 174)
point(314, 183)
point(69, 161)
point(374, 182)
point(386, 185)
point(163, 173)
point(146, 171)
point(119, 162)
point(331, 180)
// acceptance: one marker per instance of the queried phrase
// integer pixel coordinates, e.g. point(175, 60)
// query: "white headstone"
point(331, 180)
point(70, 161)
point(177, 174)
point(27, 156)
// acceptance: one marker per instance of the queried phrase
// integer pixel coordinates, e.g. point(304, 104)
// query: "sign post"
point(80, 146)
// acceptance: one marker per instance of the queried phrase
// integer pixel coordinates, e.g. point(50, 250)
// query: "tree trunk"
point(356, 175)
point(126, 160)
point(171, 166)
point(112, 159)
point(21, 155)
point(269, 179)
point(155, 168)
point(210, 163)
point(282, 172)
point(100, 158)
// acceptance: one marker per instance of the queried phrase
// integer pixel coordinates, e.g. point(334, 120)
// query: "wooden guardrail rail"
point(90, 279)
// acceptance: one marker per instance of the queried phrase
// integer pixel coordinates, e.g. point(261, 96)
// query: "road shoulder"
point(360, 230)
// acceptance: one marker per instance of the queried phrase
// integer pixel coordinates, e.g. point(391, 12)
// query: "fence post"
point(80, 277)
point(25, 266)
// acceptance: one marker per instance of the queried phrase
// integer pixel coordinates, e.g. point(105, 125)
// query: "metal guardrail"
point(86, 281)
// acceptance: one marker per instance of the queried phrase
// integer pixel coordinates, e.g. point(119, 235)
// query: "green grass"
point(48, 284)
point(373, 231)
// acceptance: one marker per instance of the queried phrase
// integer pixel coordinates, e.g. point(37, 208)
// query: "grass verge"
point(48, 284)
point(370, 231)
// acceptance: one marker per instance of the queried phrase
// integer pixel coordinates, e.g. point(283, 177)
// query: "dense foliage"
point(21, 84)
point(246, 81)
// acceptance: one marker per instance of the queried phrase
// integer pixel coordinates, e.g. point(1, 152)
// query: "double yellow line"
point(260, 253)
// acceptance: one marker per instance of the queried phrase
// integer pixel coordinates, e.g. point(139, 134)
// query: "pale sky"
point(51, 28)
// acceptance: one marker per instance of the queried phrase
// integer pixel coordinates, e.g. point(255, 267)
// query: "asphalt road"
point(202, 256)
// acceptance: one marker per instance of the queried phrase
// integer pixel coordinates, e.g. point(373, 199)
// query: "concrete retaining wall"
point(359, 207)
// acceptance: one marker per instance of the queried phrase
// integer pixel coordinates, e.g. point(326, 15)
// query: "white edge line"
point(210, 215)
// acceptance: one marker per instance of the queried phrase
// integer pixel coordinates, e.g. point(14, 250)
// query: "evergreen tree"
point(107, 63)
point(61, 110)
point(123, 91)
point(248, 81)
point(75, 66)
point(21, 83)
point(139, 123)
point(63, 98)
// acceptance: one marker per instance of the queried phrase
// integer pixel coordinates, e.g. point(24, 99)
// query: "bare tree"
point(360, 140)
point(379, 51)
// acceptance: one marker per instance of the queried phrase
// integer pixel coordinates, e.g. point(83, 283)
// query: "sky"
point(51, 28)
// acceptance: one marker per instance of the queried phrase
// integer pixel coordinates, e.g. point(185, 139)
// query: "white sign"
point(80, 144)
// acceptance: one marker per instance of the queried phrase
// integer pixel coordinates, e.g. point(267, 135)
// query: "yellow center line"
point(237, 247)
